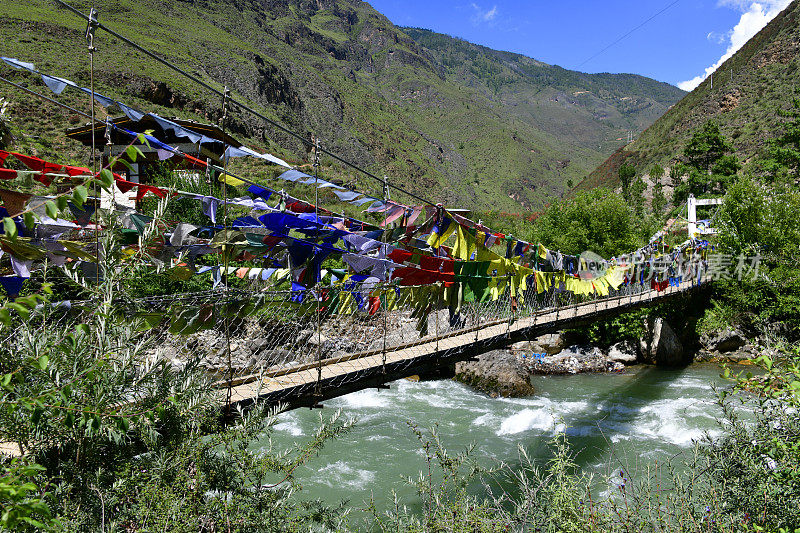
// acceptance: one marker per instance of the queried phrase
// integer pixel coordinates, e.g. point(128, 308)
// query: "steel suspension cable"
point(209, 165)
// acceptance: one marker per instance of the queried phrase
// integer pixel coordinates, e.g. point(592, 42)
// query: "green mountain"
point(448, 119)
point(748, 93)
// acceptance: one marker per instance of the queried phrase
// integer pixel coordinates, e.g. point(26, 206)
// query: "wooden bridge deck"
point(307, 385)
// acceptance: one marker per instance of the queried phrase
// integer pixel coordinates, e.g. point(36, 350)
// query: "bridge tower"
point(694, 228)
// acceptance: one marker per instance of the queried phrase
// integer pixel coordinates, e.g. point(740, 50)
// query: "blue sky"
point(682, 44)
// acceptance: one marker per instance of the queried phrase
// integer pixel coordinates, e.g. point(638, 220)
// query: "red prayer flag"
point(374, 304)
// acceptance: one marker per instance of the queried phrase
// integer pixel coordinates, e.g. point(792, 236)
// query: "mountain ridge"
point(340, 70)
point(746, 97)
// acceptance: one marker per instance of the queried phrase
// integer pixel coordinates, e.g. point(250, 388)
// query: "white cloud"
point(745, 5)
point(482, 15)
point(755, 16)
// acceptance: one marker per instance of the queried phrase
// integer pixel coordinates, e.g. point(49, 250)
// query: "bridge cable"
point(626, 34)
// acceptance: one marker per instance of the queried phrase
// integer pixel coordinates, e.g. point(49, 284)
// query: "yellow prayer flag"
point(542, 252)
point(601, 286)
point(542, 284)
point(389, 299)
point(465, 244)
point(230, 180)
point(346, 303)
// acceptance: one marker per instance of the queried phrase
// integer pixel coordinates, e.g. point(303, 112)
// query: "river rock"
point(744, 353)
point(274, 356)
point(339, 344)
point(303, 336)
point(661, 346)
point(728, 340)
point(550, 343)
point(258, 344)
point(497, 373)
point(576, 359)
point(522, 346)
point(316, 340)
point(625, 352)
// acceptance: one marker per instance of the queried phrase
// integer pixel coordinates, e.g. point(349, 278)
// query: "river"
point(612, 420)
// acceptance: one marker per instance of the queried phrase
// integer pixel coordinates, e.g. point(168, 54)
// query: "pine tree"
point(705, 147)
point(626, 175)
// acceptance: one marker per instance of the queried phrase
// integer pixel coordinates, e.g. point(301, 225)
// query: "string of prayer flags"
point(259, 191)
point(346, 196)
point(44, 168)
point(293, 175)
point(394, 212)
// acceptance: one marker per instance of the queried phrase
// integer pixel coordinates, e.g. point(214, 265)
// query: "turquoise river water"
point(611, 420)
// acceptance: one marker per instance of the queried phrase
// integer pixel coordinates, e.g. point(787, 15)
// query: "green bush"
point(756, 221)
point(162, 462)
point(598, 220)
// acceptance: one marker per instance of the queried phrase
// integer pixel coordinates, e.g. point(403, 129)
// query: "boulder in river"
point(625, 352)
point(551, 343)
point(497, 373)
point(660, 345)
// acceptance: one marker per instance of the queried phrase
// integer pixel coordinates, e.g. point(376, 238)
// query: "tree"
point(632, 190)
point(626, 175)
point(676, 173)
point(709, 167)
point(636, 195)
point(656, 173)
point(659, 201)
point(759, 221)
point(598, 220)
point(723, 172)
point(705, 147)
point(696, 184)
point(727, 165)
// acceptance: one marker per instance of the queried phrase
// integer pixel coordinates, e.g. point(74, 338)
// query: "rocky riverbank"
point(508, 372)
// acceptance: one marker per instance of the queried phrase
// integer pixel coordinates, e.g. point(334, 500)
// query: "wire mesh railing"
point(287, 344)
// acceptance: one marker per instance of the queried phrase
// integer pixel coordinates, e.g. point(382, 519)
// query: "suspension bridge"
point(406, 305)
point(481, 330)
